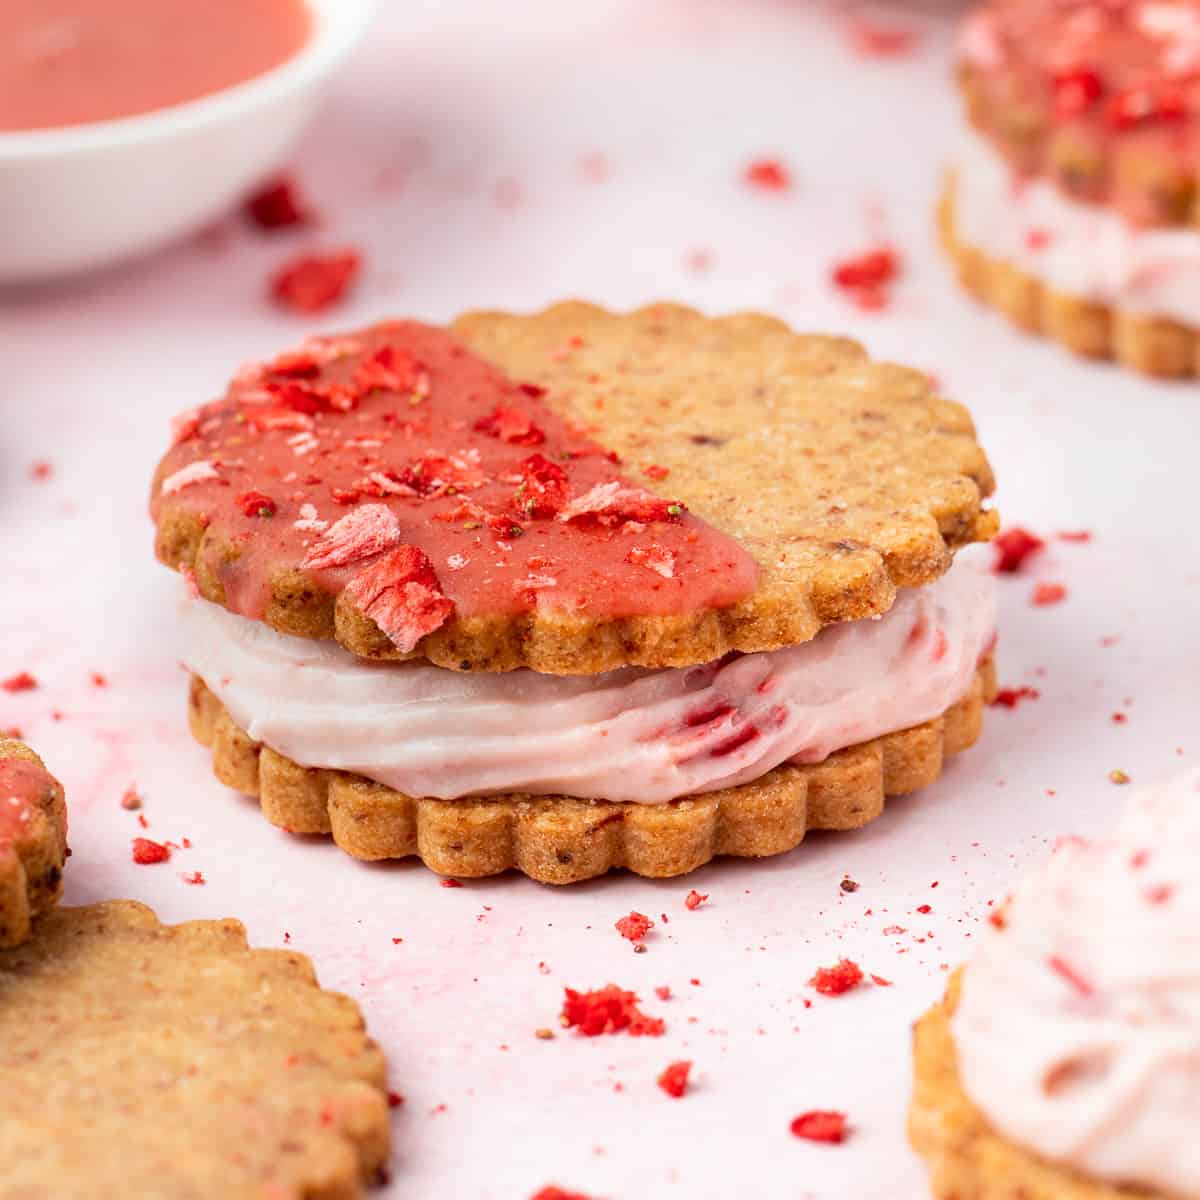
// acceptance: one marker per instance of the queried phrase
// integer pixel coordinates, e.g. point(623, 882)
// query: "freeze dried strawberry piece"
point(556, 1193)
point(608, 1010)
point(695, 899)
point(1076, 90)
point(1011, 697)
point(870, 270)
point(634, 927)
point(820, 1126)
point(395, 371)
point(1013, 547)
point(613, 504)
point(1142, 105)
point(1049, 593)
point(359, 535)
point(674, 1080)
point(309, 396)
point(655, 558)
point(843, 977)
point(768, 174)
point(22, 681)
point(510, 425)
point(315, 282)
point(544, 488)
point(401, 594)
point(145, 851)
point(277, 205)
point(435, 474)
point(255, 504)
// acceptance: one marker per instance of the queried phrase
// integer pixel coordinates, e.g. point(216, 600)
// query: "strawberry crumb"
point(145, 852)
point(1074, 535)
point(194, 877)
point(278, 205)
point(634, 927)
point(879, 981)
point(820, 1126)
point(1013, 547)
point(674, 1080)
point(98, 680)
point(1011, 697)
point(556, 1193)
point(255, 504)
point(663, 992)
point(450, 883)
point(768, 174)
point(394, 1099)
point(865, 278)
point(130, 799)
point(1048, 593)
point(835, 980)
point(21, 682)
point(695, 899)
point(41, 470)
point(313, 283)
point(607, 1010)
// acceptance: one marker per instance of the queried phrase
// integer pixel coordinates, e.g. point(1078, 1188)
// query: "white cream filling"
point(628, 735)
point(1102, 1074)
point(1084, 250)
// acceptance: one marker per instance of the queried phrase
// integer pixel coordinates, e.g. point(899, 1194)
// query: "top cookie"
point(1103, 98)
point(413, 492)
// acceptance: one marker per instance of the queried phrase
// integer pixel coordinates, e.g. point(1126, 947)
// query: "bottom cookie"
point(1152, 345)
point(967, 1158)
point(174, 1061)
point(33, 840)
point(560, 839)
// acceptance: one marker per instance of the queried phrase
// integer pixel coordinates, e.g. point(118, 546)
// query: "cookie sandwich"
point(1073, 203)
point(579, 590)
point(1064, 1062)
point(175, 1062)
point(33, 840)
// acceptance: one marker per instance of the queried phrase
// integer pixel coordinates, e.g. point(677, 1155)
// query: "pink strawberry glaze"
point(22, 784)
point(388, 398)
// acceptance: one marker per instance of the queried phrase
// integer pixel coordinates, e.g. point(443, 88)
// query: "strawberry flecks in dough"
point(314, 283)
point(820, 1126)
point(400, 592)
point(1013, 547)
point(608, 1009)
point(22, 784)
point(359, 535)
point(200, 471)
point(674, 1080)
point(838, 979)
point(402, 419)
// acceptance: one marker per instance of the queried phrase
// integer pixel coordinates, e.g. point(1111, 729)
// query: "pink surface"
point(597, 150)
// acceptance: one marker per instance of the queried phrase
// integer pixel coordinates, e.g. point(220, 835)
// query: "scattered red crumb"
point(1048, 593)
point(131, 799)
point(695, 899)
point(557, 1193)
point(1074, 535)
point(820, 1126)
point(769, 174)
point(145, 851)
point(394, 1099)
point(1013, 547)
point(1011, 697)
point(833, 981)
point(1119, 718)
point(1065, 971)
point(450, 883)
point(21, 682)
point(315, 282)
point(869, 40)
point(40, 470)
point(879, 981)
point(1159, 893)
point(278, 205)
point(607, 1010)
point(99, 680)
point(634, 927)
point(674, 1080)
point(865, 278)
point(1037, 239)
point(194, 877)
point(663, 992)
point(924, 909)
point(997, 919)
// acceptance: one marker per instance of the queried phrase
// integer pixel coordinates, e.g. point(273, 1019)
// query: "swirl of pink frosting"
point(1078, 1030)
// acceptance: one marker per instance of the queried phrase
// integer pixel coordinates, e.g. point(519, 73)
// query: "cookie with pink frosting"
point(1064, 1063)
point(33, 840)
point(579, 590)
point(1073, 202)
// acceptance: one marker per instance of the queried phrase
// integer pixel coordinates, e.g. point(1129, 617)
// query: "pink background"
point(506, 156)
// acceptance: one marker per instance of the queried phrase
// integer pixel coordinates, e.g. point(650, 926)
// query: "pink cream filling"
point(646, 736)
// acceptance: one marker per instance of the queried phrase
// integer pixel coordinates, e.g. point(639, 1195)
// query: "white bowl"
point(85, 196)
